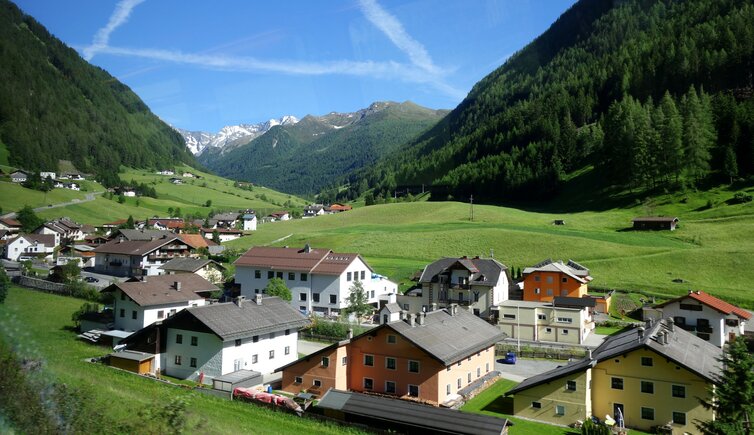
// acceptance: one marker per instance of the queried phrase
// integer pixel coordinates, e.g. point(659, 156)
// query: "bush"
point(741, 198)
point(81, 290)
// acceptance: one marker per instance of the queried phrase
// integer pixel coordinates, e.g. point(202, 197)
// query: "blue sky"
point(201, 65)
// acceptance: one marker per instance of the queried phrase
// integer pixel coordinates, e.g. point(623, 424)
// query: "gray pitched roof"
point(134, 247)
point(229, 321)
point(484, 271)
point(186, 264)
point(143, 235)
point(449, 338)
point(392, 307)
point(572, 269)
point(683, 348)
point(162, 289)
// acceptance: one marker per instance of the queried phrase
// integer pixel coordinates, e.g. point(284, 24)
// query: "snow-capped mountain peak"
point(198, 141)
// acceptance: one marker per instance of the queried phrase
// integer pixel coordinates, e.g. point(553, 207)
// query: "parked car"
point(510, 358)
point(91, 279)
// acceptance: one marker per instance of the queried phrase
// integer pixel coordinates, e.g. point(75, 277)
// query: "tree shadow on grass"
point(501, 405)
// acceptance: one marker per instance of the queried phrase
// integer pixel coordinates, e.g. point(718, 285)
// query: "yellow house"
point(644, 377)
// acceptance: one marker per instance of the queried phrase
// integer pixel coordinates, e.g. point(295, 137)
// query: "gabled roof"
point(162, 290)
point(44, 239)
point(10, 222)
point(133, 247)
point(712, 302)
point(231, 321)
point(142, 234)
point(572, 269)
point(225, 217)
point(185, 264)
point(683, 348)
point(196, 241)
point(310, 260)
point(392, 308)
point(483, 271)
point(167, 223)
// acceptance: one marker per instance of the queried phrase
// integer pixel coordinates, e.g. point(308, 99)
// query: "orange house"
point(429, 356)
point(547, 279)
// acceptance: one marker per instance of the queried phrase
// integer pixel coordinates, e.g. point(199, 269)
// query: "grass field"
point(13, 196)
point(49, 338)
point(709, 251)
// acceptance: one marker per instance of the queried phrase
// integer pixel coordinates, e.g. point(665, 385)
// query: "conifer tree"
point(670, 129)
point(698, 133)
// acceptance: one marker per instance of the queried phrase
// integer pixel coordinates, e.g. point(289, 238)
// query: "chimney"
point(433, 306)
point(144, 278)
point(589, 354)
point(641, 333)
point(453, 309)
point(420, 318)
point(239, 301)
point(258, 299)
point(411, 320)
point(177, 285)
point(307, 248)
point(671, 324)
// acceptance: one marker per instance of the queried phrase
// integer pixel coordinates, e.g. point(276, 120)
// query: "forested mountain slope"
point(648, 92)
point(54, 105)
point(305, 157)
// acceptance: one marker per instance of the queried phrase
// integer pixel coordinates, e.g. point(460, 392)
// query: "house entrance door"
point(237, 365)
point(618, 414)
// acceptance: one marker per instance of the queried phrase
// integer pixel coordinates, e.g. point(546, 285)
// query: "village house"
point(47, 174)
point(29, 245)
point(429, 356)
point(313, 210)
point(564, 320)
point(166, 172)
point(121, 257)
point(11, 225)
point(110, 227)
point(224, 234)
point(655, 223)
point(476, 284)
point(65, 230)
point(210, 270)
point(647, 376)
point(708, 317)
point(547, 279)
point(279, 216)
point(337, 208)
point(176, 180)
point(207, 342)
point(18, 176)
point(223, 220)
point(175, 225)
point(188, 175)
point(139, 303)
point(249, 222)
point(319, 279)
point(197, 241)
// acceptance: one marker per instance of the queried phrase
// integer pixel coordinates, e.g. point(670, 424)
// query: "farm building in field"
point(655, 223)
point(133, 361)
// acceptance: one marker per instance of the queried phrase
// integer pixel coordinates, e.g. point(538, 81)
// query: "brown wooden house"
point(655, 223)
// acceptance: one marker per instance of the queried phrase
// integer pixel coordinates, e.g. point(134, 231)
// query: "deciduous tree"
point(277, 287)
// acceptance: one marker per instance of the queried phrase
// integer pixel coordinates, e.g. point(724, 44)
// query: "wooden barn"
point(655, 223)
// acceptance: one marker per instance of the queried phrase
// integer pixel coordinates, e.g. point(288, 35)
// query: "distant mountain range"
point(231, 135)
point(309, 155)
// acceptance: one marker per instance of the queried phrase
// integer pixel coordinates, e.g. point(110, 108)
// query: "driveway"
point(309, 347)
point(526, 368)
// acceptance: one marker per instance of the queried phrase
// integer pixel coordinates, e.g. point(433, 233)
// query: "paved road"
point(88, 197)
point(525, 368)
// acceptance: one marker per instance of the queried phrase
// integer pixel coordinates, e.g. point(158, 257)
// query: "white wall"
point(720, 331)
point(250, 225)
point(145, 316)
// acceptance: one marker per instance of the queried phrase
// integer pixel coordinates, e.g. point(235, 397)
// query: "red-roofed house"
point(319, 279)
point(337, 208)
point(173, 224)
point(712, 319)
point(11, 225)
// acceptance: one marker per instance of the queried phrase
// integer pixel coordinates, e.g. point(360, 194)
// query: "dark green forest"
point(306, 157)
point(54, 105)
point(648, 93)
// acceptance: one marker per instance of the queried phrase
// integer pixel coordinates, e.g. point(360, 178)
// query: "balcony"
point(458, 286)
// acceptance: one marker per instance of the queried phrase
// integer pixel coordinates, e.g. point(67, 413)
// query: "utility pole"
point(472, 207)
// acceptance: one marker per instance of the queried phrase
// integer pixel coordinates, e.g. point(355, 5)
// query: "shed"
point(655, 223)
point(133, 361)
point(558, 222)
point(239, 378)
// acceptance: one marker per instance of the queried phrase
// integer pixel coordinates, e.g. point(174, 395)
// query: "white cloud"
point(119, 17)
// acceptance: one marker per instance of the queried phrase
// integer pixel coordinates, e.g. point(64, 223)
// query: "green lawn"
point(607, 330)
point(13, 196)
point(48, 338)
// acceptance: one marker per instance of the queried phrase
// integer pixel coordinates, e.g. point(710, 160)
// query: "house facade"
point(139, 303)
point(647, 376)
point(65, 230)
point(29, 245)
point(210, 270)
point(319, 279)
point(18, 176)
point(547, 279)
point(11, 225)
point(655, 223)
point(706, 316)
point(121, 257)
point(224, 234)
point(565, 320)
point(406, 358)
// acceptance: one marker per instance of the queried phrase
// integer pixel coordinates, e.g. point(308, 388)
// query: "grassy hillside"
point(50, 339)
point(712, 245)
point(13, 196)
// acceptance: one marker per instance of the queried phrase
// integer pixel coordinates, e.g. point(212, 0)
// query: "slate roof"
point(449, 338)
point(161, 290)
point(421, 418)
point(225, 217)
point(682, 347)
point(310, 260)
point(572, 269)
point(185, 264)
point(133, 247)
point(712, 302)
point(45, 239)
point(143, 234)
point(564, 301)
point(393, 308)
point(484, 271)
point(229, 321)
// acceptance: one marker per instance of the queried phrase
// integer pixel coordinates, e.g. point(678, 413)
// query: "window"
point(571, 385)
point(413, 366)
point(509, 316)
point(468, 378)
point(302, 297)
point(272, 354)
point(413, 390)
point(255, 339)
point(287, 350)
point(344, 361)
point(179, 338)
point(548, 330)
point(647, 413)
point(368, 383)
point(478, 372)
point(287, 332)
point(405, 306)
point(291, 276)
point(549, 280)
point(679, 320)
point(161, 314)
point(254, 358)
point(565, 279)
point(317, 383)
point(541, 317)
point(537, 278)
point(536, 405)
point(690, 307)
point(257, 274)
point(369, 360)
point(679, 391)
point(298, 380)
point(315, 297)
point(333, 299)
point(564, 331)
point(177, 360)
point(731, 322)
point(537, 291)
point(280, 275)
point(348, 276)
point(616, 383)
point(194, 340)
point(192, 362)
point(134, 315)
point(459, 383)
point(646, 361)
point(122, 312)
point(487, 368)
point(559, 410)
point(171, 313)
point(549, 292)
point(325, 361)
point(647, 387)
point(238, 342)
point(390, 363)
point(270, 274)
point(123, 296)
point(447, 389)
point(390, 387)
point(565, 320)
point(304, 277)
point(679, 418)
